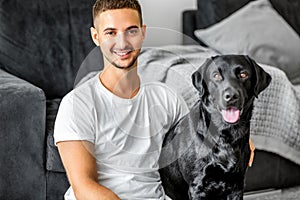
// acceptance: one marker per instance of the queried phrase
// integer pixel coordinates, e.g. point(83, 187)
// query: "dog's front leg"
point(236, 195)
point(196, 189)
point(194, 193)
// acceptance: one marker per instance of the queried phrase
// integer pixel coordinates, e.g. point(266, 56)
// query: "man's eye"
point(110, 33)
point(244, 75)
point(133, 32)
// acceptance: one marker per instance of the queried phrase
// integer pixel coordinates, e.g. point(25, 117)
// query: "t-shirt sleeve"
point(181, 108)
point(74, 120)
point(177, 106)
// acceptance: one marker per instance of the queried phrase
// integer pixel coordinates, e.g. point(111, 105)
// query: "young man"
point(109, 130)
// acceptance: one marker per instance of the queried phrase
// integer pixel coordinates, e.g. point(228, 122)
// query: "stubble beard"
point(124, 67)
point(127, 67)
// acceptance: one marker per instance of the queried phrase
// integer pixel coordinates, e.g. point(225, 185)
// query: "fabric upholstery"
point(210, 12)
point(57, 185)
point(53, 161)
point(213, 11)
point(289, 10)
point(188, 26)
point(22, 128)
point(272, 171)
point(44, 42)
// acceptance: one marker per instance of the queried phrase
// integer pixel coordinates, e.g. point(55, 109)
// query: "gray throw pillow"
point(260, 32)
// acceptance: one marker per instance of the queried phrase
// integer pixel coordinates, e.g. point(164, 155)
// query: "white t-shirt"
point(127, 133)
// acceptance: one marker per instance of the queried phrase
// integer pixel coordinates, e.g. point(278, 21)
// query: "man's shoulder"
point(83, 92)
point(89, 81)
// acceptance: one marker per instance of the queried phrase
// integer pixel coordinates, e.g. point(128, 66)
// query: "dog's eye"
point(217, 76)
point(244, 75)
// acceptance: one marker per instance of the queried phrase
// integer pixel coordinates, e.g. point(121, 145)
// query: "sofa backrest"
point(44, 42)
point(210, 12)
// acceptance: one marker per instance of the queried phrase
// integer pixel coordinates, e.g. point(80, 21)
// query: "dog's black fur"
point(212, 150)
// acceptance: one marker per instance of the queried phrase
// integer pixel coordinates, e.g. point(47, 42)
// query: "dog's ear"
point(263, 79)
point(198, 78)
point(197, 82)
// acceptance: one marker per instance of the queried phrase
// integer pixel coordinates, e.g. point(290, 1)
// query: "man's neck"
point(121, 82)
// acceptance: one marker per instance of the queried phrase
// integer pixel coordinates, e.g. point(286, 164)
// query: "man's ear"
point(95, 36)
point(144, 28)
point(198, 78)
point(263, 79)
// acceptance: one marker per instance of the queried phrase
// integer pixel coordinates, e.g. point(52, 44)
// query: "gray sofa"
point(45, 49)
point(42, 46)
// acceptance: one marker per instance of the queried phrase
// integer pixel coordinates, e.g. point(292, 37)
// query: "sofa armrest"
point(22, 139)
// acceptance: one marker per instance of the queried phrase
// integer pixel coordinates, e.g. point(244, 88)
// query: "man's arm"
point(81, 168)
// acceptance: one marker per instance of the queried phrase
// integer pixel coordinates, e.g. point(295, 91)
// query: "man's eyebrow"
point(109, 29)
point(113, 29)
point(131, 27)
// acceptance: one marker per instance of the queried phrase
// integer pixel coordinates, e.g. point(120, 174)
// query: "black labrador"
point(205, 156)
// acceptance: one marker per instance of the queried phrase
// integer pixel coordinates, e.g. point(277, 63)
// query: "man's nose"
point(121, 40)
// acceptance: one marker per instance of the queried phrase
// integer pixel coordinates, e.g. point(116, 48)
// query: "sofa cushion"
point(44, 42)
point(271, 171)
point(57, 185)
point(53, 161)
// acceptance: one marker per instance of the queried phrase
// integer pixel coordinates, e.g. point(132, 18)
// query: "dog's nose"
point(230, 96)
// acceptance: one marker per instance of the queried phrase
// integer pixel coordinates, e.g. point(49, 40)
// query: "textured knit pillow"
point(259, 31)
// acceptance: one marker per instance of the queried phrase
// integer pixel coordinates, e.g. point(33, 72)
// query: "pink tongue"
point(231, 115)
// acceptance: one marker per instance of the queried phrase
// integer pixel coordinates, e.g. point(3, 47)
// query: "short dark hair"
point(103, 5)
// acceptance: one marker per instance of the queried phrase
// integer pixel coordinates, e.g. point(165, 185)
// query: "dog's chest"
point(207, 155)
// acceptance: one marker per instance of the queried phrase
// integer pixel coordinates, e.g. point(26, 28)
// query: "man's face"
point(120, 36)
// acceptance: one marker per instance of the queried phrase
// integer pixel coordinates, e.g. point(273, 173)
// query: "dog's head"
point(227, 84)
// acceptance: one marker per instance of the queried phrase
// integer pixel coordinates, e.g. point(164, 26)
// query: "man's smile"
point(123, 54)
